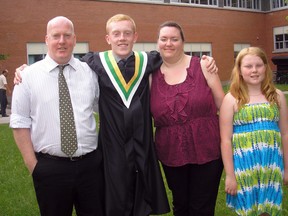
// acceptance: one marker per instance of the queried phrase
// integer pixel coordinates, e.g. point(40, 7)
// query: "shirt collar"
point(51, 64)
point(117, 58)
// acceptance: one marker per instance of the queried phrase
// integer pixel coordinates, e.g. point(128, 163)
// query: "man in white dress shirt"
point(3, 89)
point(60, 181)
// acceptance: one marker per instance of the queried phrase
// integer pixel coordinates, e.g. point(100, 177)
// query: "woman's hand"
point(17, 77)
point(231, 185)
point(210, 64)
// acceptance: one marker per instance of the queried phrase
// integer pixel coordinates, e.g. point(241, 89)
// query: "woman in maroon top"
point(185, 99)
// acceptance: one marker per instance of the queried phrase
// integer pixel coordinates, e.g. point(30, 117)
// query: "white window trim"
point(279, 30)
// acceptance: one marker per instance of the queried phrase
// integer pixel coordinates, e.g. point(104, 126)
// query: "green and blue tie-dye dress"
point(258, 161)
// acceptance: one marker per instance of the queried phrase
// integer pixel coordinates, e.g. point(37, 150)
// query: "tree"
point(3, 56)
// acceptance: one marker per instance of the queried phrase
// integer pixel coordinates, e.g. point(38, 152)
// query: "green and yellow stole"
point(125, 90)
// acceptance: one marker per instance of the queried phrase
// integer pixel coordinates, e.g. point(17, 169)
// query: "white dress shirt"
point(3, 81)
point(35, 105)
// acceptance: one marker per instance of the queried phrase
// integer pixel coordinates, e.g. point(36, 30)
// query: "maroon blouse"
point(186, 120)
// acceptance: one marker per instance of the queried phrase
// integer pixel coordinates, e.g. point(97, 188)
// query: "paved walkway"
point(5, 120)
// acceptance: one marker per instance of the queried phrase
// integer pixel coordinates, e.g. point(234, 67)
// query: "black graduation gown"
point(132, 172)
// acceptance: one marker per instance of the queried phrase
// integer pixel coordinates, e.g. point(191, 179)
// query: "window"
point(34, 58)
point(280, 38)
point(239, 47)
point(246, 4)
point(199, 2)
point(198, 49)
point(278, 4)
point(145, 47)
point(194, 49)
point(37, 51)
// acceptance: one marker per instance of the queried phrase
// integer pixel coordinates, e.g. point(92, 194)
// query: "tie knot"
point(61, 67)
point(122, 63)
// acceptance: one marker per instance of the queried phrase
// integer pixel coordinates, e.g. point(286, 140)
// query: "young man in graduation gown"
point(134, 185)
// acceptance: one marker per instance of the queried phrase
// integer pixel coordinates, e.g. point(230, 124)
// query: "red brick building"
point(216, 27)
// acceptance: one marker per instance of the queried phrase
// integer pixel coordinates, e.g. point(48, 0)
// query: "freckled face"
point(121, 36)
point(252, 69)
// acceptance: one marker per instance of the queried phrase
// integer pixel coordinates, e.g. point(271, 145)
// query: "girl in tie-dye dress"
point(254, 137)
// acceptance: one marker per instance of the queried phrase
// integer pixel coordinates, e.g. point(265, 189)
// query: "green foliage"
point(3, 56)
point(282, 87)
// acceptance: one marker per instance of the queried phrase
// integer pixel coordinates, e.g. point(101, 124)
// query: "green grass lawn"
point(17, 197)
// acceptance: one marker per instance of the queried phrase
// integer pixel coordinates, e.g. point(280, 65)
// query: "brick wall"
point(24, 21)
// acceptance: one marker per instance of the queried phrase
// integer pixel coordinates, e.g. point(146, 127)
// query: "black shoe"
point(5, 115)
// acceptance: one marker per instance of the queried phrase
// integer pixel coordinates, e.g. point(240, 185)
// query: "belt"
point(40, 154)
